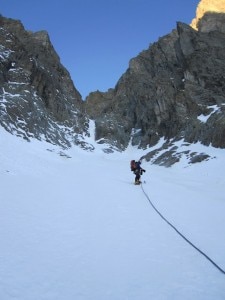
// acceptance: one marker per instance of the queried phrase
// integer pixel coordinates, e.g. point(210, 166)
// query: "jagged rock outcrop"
point(174, 90)
point(37, 95)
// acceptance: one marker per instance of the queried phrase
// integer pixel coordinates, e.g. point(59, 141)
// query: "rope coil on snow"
point(188, 241)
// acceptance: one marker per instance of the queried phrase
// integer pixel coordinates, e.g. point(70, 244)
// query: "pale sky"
point(96, 39)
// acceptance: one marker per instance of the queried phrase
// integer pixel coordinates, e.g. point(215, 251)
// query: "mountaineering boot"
point(137, 182)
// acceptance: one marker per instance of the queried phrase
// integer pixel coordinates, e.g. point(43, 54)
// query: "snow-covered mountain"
point(172, 92)
point(74, 226)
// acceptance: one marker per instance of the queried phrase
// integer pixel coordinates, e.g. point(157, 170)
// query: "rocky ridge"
point(173, 91)
point(37, 96)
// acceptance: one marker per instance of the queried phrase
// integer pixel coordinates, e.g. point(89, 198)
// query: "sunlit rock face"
point(204, 6)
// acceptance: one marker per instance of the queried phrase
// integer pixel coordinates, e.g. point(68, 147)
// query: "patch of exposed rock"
point(170, 153)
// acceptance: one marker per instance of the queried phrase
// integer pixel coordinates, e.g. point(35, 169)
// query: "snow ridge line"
point(188, 241)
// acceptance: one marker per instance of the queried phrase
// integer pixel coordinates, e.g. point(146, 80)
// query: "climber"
point(138, 171)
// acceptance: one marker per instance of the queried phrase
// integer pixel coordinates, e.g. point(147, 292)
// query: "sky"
point(79, 229)
point(96, 39)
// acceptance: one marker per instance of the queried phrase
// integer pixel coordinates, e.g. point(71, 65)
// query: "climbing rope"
point(188, 241)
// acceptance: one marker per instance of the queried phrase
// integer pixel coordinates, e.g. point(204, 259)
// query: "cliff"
point(38, 98)
point(174, 90)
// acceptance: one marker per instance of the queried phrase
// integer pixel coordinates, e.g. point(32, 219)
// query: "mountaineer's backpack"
point(132, 165)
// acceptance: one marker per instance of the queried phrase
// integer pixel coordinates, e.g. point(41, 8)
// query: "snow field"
point(78, 228)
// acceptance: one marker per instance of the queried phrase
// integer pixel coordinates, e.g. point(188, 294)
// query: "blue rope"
point(188, 241)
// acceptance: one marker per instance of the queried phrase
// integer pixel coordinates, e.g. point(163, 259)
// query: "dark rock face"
point(212, 22)
point(37, 95)
point(174, 90)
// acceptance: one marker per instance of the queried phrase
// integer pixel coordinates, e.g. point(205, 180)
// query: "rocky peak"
point(37, 96)
point(173, 90)
point(211, 7)
point(12, 25)
point(43, 37)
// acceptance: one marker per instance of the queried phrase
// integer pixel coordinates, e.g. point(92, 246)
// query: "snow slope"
point(76, 228)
